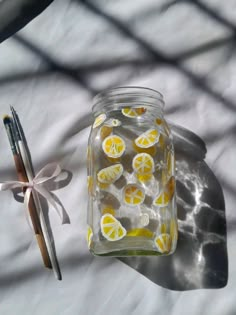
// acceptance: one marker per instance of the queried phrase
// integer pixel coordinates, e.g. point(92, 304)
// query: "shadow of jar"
point(200, 260)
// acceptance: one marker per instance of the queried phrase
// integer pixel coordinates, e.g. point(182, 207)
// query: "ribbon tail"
point(26, 206)
point(46, 194)
point(11, 185)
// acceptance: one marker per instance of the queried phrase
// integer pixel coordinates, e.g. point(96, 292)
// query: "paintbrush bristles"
point(7, 120)
point(16, 124)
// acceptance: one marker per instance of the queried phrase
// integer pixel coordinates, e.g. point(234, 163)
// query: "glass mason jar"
point(131, 175)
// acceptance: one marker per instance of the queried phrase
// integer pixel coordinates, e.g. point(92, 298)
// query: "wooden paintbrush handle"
point(43, 250)
point(38, 232)
point(33, 215)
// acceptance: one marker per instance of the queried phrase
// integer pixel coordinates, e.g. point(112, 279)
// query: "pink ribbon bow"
point(47, 173)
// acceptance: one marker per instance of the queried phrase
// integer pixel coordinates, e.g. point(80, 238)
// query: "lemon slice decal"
point(161, 141)
point(113, 122)
point(109, 210)
point(144, 178)
point(148, 138)
point(166, 195)
point(143, 163)
point(90, 184)
point(144, 219)
point(110, 174)
point(102, 186)
point(113, 146)
point(173, 230)
point(162, 199)
point(89, 236)
point(105, 131)
point(99, 120)
point(140, 232)
point(159, 121)
point(133, 112)
point(111, 228)
point(133, 195)
point(163, 243)
point(170, 187)
point(163, 228)
point(151, 150)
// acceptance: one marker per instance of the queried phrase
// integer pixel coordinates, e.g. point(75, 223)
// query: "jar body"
point(131, 176)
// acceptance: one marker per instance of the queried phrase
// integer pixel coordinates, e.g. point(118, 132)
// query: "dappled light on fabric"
point(200, 260)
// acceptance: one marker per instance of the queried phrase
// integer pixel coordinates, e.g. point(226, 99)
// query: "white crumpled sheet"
point(49, 72)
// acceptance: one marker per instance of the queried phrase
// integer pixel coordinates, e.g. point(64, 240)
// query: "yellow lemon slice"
point(148, 138)
point(170, 187)
point(144, 178)
point(166, 195)
point(105, 131)
point(133, 112)
point(140, 232)
point(151, 150)
point(161, 141)
point(112, 160)
point(113, 146)
point(173, 230)
point(89, 236)
point(90, 184)
point(163, 243)
point(110, 174)
point(108, 210)
point(143, 163)
point(99, 120)
point(163, 228)
point(133, 195)
point(111, 228)
point(162, 199)
point(159, 121)
point(102, 186)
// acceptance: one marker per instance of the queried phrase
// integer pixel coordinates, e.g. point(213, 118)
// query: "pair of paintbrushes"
point(25, 173)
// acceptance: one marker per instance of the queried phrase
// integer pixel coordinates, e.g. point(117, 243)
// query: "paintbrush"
point(21, 174)
point(22, 147)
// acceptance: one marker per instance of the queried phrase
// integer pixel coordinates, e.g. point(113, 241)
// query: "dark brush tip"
point(7, 119)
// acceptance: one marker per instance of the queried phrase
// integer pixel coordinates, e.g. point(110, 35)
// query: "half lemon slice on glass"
point(110, 174)
point(133, 112)
point(148, 138)
point(111, 228)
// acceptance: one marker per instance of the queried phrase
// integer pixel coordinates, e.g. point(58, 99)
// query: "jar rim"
point(152, 97)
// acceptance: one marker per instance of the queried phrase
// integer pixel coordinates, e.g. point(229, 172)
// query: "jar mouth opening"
point(125, 95)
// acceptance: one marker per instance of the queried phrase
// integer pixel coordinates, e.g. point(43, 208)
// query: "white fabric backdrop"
point(49, 72)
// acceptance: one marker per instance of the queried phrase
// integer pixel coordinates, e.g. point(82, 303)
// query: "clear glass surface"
point(131, 175)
